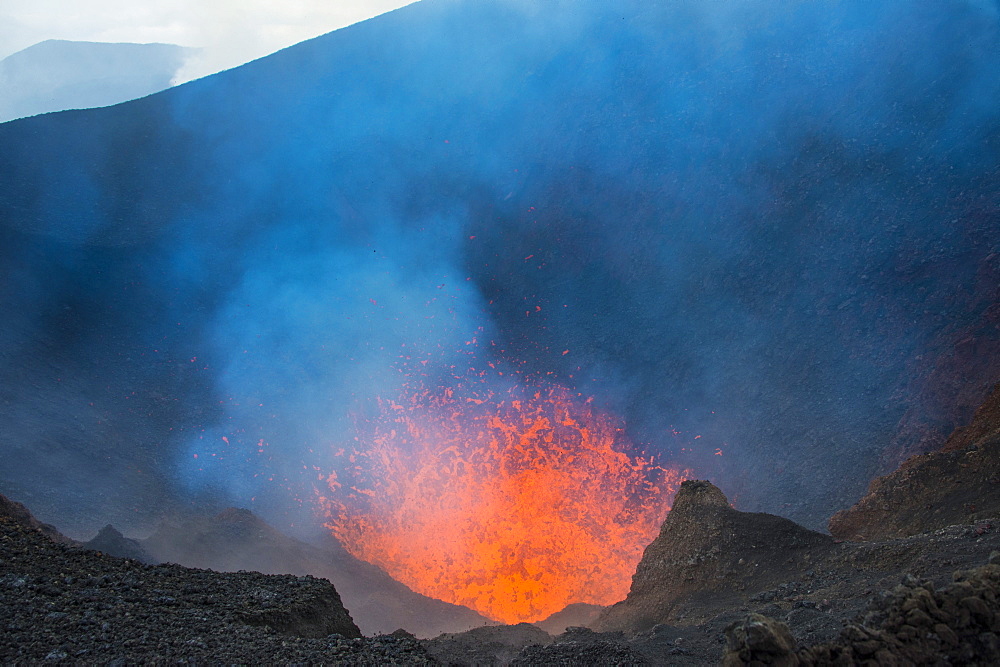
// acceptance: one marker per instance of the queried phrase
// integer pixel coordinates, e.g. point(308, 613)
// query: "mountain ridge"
point(55, 75)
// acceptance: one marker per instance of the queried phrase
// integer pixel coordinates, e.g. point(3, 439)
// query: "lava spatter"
point(513, 504)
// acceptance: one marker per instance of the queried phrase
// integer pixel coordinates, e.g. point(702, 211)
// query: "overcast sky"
point(230, 32)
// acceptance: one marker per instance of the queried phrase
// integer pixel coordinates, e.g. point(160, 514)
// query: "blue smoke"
point(746, 221)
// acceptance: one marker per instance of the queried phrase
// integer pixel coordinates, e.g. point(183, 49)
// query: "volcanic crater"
point(397, 345)
point(716, 584)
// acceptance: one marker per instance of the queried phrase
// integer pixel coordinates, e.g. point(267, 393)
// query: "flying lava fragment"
point(514, 504)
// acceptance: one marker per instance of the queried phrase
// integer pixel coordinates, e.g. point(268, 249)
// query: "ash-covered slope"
point(236, 540)
point(958, 484)
point(59, 74)
point(742, 221)
point(17, 513)
point(66, 604)
point(985, 426)
point(947, 391)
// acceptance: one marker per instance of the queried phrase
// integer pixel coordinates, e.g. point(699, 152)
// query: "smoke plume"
point(738, 227)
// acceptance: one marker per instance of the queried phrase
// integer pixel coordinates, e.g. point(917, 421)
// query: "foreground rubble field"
point(900, 597)
point(65, 604)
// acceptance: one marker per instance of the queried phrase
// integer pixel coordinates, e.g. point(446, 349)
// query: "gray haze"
point(228, 32)
point(56, 75)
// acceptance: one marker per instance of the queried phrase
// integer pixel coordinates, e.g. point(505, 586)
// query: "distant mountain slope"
point(236, 540)
point(59, 74)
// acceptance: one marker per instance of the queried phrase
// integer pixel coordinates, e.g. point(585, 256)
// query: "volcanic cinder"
point(759, 239)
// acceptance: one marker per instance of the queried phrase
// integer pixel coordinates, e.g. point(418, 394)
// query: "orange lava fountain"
point(514, 507)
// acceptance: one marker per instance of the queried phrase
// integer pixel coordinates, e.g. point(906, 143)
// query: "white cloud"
point(229, 32)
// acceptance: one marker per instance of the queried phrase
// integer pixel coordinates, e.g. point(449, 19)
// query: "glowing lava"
point(514, 506)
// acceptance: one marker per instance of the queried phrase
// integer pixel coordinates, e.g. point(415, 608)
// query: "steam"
point(738, 226)
point(313, 335)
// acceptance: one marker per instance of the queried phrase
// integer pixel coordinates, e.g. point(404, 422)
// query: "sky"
point(229, 32)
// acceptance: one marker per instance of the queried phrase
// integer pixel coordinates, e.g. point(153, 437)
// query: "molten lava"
point(514, 506)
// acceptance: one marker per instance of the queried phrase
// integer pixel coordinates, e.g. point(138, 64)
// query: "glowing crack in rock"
point(514, 505)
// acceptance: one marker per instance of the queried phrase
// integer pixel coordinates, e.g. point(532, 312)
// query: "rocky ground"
point(63, 604)
point(918, 582)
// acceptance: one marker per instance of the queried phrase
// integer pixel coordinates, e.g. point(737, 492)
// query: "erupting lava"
point(513, 505)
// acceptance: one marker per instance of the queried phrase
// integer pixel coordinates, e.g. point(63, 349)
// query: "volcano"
point(758, 242)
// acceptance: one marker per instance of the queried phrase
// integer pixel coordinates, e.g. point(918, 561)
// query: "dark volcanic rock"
point(708, 555)
point(492, 645)
point(958, 485)
point(759, 640)
point(317, 615)
point(598, 654)
point(110, 541)
point(912, 624)
point(916, 624)
point(60, 603)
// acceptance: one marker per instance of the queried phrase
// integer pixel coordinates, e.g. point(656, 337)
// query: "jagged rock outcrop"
point(708, 550)
point(109, 540)
point(958, 485)
point(710, 559)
